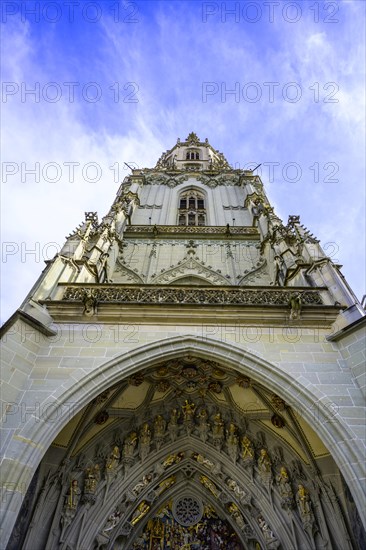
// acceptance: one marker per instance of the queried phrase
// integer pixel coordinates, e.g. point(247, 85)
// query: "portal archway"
point(124, 373)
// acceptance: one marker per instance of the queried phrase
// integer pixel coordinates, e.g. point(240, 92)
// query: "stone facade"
point(188, 367)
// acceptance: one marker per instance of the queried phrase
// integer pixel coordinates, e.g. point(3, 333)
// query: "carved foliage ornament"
point(206, 296)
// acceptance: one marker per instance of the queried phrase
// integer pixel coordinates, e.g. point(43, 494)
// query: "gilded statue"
point(247, 451)
point(92, 477)
point(141, 510)
point(165, 484)
point(173, 459)
point(113, 460)
point(188, 411)
point(73, 495)
point(202, 460)
point(71, 504)
point(303, 500)
point(206, 482)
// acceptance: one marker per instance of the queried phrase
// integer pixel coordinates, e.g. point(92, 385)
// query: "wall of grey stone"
point(353, 349)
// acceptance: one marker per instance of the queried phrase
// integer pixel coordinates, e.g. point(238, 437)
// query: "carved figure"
point(159, 427)
point(206, 482)
point(73, 496)
point(71, 504)
point(235, 513)
point(295, 303)
point(285, 488)
point(247, 451)
point(232, 441)
point(174, 416)
point(129, 445)
point(165, 484)
point(218, 430)
point(141, 510)
point(203, 425)
point(173, 459)
point(90, 302)
point(202, 460)
point(112, 522)
point(235, 488)
point(303, 500)
point(145, 440)
point(92, 477)
point(188, 411)
point(113, 460)
point(140, 485)
point(269, 537)
point(173, 424)
point(264, 462)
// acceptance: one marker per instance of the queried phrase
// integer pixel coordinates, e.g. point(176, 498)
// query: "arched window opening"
point(192, 155)
point(192, 209)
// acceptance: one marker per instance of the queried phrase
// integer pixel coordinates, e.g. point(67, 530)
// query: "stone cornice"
point(223, 231)
point(150, 294)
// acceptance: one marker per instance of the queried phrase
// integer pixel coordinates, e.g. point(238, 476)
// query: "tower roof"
point(192, 154)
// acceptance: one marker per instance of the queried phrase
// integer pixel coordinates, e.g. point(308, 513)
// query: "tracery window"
point(192, 155)
point(192, 209)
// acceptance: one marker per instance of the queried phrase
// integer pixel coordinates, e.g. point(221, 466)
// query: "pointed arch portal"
point(187, 443)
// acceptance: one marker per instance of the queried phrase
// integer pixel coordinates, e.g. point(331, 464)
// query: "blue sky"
point(120, 81)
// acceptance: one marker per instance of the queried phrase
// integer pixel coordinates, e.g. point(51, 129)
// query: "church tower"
point(188, 372)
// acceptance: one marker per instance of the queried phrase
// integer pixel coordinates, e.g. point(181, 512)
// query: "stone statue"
point(159, 430)
point(285, 489)
point(111, 522)
point(140, 485)
point(232, 442)
point(188, 415)
point(235, 513)
point(141, 510)
point(236, 489)
point(265, 467)
point(270, 539)
point(113, 460)
point(71, 504)
point(305, 508)
point(173, 424)
point(203, 425)
point(295, 303)
point(264, 462)
point(129, 446)
point(145, 440)
point(218, 430)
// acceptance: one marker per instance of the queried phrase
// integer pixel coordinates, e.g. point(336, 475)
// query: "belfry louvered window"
point(192, 209)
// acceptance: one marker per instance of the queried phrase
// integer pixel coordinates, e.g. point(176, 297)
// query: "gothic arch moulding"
point(236, 364)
